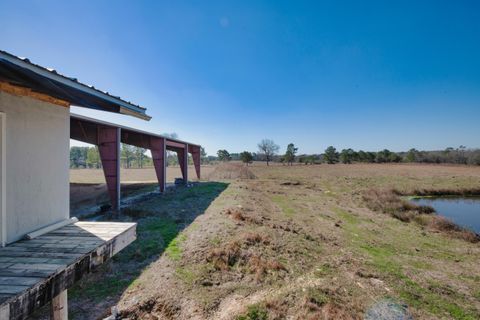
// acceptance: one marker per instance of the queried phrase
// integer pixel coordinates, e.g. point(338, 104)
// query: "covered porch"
point(108, 136)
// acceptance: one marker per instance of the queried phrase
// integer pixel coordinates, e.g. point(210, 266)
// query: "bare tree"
point(267, 148)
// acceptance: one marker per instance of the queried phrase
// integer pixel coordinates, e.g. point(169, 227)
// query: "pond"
point(463, 211)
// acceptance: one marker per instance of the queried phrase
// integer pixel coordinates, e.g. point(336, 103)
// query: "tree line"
point(130, 156)
point(268, 152)
point(89, 157)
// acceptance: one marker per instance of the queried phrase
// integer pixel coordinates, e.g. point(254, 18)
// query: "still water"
point(463, 211)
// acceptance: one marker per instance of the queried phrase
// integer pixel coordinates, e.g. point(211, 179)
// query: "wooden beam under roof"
point(27, 92)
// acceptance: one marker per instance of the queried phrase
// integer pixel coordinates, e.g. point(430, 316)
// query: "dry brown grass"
point(446, 192)
point(235, 214)
point(388, 201)
point(227, 264)
point(135, 175)
point(335, 311)
point(261, 266)
point(152, 309)
point(238, 214)
point(230, 171)
point(252, 238)
point(237, 252)
point(448, 226)
point(226, 256)
point(325, 304)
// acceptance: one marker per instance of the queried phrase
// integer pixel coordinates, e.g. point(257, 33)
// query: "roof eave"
point(142, 116)
point(124, 107)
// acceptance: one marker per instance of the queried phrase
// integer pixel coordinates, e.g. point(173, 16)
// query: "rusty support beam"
point(182, 155)
point(195, 151)
point(157, 147)
point(109, 149)
point(174, 144)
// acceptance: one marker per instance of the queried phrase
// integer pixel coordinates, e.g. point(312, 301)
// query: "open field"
point(294, 242)
point(88, 188)
point(133, 175)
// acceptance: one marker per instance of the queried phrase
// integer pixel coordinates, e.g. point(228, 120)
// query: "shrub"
point(446, 225)
point(389, 202)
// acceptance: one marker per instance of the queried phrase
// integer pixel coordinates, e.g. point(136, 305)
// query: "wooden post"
point(60, 306)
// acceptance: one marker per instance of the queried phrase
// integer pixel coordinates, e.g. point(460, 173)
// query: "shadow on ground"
point(160, 219)
point(89, 199)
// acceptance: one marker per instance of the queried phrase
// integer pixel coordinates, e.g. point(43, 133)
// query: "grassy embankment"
point(161, 220)
point(297, 241)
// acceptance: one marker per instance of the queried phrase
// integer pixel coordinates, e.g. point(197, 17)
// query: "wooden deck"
point(32, 272)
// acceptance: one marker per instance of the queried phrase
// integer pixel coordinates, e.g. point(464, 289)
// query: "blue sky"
point(226, 74)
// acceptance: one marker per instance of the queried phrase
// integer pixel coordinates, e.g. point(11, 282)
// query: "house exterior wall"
point(37, 164)
point(3, 181)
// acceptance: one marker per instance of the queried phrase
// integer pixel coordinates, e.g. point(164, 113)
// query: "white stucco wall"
point(37, 165)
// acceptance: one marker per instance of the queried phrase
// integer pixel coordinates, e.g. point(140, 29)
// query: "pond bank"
point(464, 211)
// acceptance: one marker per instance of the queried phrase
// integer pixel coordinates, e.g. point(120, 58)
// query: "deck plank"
point(33, 271)
point(19, 281)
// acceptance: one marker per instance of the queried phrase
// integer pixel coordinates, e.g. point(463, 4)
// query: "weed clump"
point(254, 312)
point(228, 171)
point(389, 202)
point(315, 299)
point(235, 213)
point(225, 257)
point(238, 214)
point(446, 225)
point(261, 266)
point(237, 253)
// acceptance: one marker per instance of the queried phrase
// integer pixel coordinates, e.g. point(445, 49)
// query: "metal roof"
point(22, 72)
point(125, 128)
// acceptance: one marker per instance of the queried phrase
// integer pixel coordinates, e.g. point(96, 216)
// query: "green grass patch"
point(284, 204)
point(323, 271)
point(382, 259)
point(108, 287)
point(412, 293)
point(477, 294)
point(215, 241)
point(186, 275)
point(421, 298)
point(389, 259)
point(317, 296)
point(154, 234)
point(254, 312)
point(346, 216)
point(174, 249)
